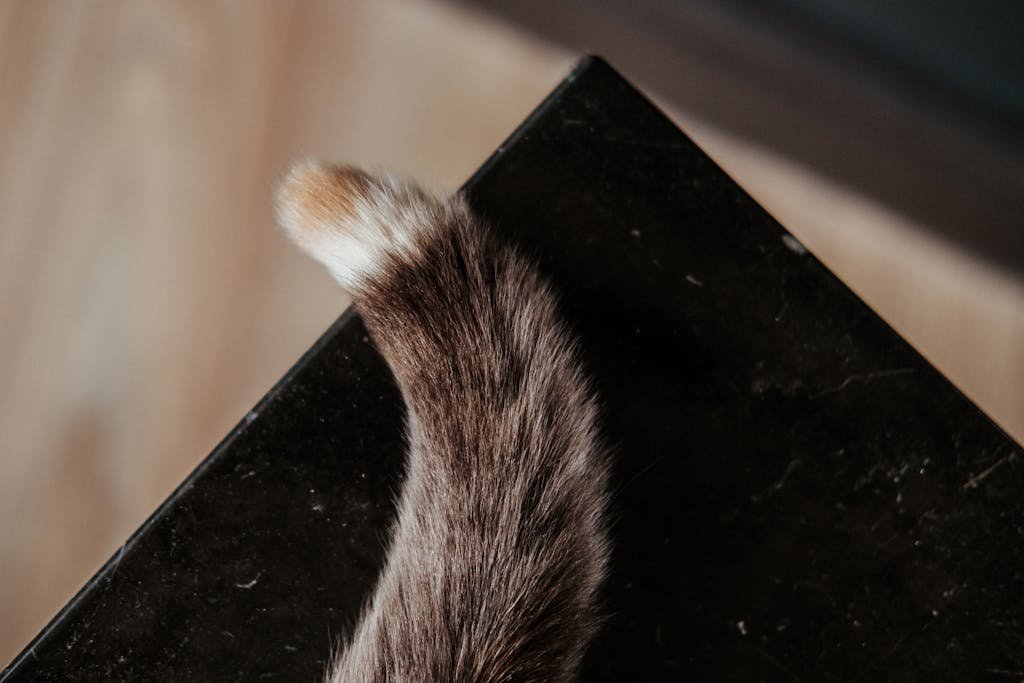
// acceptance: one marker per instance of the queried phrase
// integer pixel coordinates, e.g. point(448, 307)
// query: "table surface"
point(798, 495)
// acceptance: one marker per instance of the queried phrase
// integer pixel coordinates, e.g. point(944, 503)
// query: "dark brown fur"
point(499, 547)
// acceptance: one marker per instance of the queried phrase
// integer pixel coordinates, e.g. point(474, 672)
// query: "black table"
point(798, 495)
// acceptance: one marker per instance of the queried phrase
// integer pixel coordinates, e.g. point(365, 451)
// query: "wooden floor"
point(146, 301)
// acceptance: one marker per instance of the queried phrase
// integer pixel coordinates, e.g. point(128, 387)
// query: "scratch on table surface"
point(250, 584)
point(117, 560)
point(907, 636)
point(864, 377)
point(779, 483)
point(973, 482)
point(644, 470)
point(774, 662)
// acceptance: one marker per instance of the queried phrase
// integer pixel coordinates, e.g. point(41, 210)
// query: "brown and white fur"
point(499, 546)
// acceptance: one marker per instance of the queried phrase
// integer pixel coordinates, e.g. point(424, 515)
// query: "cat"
point(500, 544)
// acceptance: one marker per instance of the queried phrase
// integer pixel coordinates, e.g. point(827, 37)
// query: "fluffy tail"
point(499, 545)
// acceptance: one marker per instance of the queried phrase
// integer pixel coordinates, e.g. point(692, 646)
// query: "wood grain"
point(146, 301)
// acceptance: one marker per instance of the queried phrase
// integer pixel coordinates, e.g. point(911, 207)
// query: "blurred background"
point(147, 301)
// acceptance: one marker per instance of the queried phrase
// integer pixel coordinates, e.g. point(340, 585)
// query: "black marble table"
point(798, 495)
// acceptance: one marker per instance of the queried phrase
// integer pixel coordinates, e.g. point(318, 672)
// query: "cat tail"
point(500, 542)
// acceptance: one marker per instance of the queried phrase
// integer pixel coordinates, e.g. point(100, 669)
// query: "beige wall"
point(146, 301)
